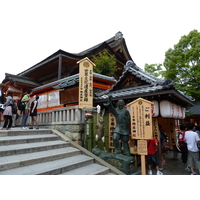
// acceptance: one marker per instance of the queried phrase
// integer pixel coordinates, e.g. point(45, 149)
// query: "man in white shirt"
point(191, 139)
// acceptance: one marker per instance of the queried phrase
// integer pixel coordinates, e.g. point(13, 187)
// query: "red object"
point(152, 146)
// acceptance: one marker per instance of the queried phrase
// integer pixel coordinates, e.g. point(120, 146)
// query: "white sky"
point(32, 30)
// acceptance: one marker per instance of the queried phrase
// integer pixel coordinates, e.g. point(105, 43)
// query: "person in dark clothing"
point(8, 111)
point(2, 99)
point(33, 111)
point(182, 146)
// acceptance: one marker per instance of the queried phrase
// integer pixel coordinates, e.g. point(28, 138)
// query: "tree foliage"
point(182, 64)
point(154, 69)
point(105, 63)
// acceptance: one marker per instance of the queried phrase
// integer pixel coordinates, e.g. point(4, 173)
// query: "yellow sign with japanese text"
point(141, 119)
point(86, 83)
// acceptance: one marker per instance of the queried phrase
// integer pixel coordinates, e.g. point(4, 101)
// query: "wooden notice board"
point(142, 147)
point(86, 83)
point(141, 119)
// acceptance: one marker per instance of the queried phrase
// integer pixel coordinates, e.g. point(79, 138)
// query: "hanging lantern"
point(155, 109)
point(171, 110)
point(182, 113)
point(166, 109)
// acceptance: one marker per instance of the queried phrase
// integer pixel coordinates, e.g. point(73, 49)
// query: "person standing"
point(14, 113)
point(182, 146)
point(26, 98)
point(8, 112)
point(33, 111)
point(192, 138)
point(2, 98)
point(152, 146)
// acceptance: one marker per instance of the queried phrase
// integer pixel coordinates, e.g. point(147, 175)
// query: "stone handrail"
point(65, 115)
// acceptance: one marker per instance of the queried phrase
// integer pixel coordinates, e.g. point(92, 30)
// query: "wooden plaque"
point(86, 83)
point(142, 147)
point(141, 119)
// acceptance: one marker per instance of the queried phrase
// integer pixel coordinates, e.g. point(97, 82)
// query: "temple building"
point(61, 67)
point(56, 81)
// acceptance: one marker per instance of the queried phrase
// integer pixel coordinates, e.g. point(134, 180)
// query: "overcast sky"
point(32, 30)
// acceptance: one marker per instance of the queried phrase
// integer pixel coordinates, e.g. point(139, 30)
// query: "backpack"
point(21, 105)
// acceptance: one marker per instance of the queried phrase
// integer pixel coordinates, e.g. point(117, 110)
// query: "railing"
point(66, 115)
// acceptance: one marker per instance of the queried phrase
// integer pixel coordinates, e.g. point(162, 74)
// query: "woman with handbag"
point(8, 112)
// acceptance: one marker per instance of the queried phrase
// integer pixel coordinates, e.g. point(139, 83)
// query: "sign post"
point(141, 126)
point(86, 83)
point(142, 150)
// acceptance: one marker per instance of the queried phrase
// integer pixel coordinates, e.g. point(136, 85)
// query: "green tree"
point(105, 63)
point(154, 69)
point(182, 64)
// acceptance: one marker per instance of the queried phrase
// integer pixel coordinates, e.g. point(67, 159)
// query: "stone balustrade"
point(66, 115)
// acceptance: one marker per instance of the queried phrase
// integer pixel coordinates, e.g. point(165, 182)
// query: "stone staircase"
point(47, 152)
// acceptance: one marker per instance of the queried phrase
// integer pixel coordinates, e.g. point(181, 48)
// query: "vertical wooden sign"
point(141, 126)
point(142, 150)
point(141, 119)
point(86, 83)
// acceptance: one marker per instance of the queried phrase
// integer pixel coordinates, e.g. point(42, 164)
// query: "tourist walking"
point(8, 112)
point(33, 112)
point(26, 99)
point(192, 138)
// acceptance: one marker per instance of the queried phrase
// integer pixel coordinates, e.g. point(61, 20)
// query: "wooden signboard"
point(142, 150)
point(142, 147)
point(141, 119)
point(86, 83)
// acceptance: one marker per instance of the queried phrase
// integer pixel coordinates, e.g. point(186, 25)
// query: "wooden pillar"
point(59, 67)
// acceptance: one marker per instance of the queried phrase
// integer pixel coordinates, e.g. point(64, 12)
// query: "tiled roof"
point(153, 85)
point(21, 80)
point(195, 110)
point(71, 80)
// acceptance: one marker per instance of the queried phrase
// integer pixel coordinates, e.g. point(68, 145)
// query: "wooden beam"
point(60, 67)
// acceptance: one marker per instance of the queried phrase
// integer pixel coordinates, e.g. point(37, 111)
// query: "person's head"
point(183, 127)
point(9, 93)
point(29, 91)
point(36, 97)
point(190, 126)
point(120, 104)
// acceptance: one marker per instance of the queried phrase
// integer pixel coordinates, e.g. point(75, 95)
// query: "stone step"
point(20, 139)
point(92, 169)
point(14, 161)
point(43, 152)
point(51, 168)
point(31, 147)
point(20, 131)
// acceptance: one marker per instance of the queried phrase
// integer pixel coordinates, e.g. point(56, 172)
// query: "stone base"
point(122, 162)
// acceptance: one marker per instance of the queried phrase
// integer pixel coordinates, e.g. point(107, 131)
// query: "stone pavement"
point(173, 166)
